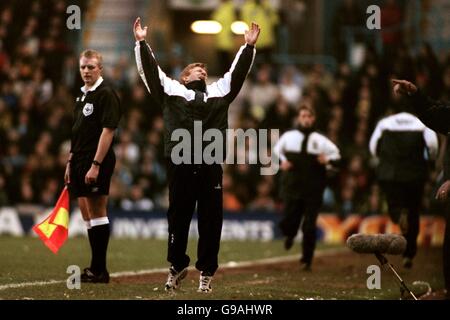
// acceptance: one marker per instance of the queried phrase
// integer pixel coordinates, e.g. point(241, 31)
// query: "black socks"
point(99, 238)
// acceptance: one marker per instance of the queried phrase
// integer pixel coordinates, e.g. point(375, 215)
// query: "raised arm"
point(146, 63)
point(155, 80)
point(251, 35)
point(434, 114)
point(231, 83)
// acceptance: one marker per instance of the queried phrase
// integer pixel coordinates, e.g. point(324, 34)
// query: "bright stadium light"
point(239, 27)
point(206, 27)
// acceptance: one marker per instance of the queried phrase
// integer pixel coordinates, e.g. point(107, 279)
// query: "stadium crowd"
point(39, 76)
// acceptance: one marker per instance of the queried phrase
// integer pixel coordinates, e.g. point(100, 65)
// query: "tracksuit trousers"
point(405, 196)
point(192, 185)
point(295, 210)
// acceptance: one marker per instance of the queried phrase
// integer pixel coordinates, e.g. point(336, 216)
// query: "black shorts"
point(80, 165)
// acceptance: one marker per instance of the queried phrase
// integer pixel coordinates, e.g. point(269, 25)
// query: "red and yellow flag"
point(54, 229)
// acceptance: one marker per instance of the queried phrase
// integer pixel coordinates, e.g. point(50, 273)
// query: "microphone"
point(377, 243)
point(380, 244)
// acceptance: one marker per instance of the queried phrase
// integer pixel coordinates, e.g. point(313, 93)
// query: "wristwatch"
point(96, 163)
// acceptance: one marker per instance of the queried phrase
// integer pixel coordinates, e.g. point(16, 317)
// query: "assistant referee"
point(91, 162)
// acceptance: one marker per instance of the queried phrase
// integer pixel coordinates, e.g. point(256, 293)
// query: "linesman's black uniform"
point(303, 185)
point(95, 109)
point(436, 115)
point(191, 184)
point(404, 147)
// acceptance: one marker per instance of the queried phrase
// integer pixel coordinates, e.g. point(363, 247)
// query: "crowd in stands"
point(39, 80)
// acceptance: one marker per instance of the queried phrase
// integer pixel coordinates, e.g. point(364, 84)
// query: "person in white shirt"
point(305, 156)
point(404, 147)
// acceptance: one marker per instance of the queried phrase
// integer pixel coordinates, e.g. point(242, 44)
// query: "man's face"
point(306, 119)
point(196, 73)
point(90, 70)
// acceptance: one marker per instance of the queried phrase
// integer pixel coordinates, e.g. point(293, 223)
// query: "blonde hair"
point(186, 71)
point(89, 53)
point(305, 107)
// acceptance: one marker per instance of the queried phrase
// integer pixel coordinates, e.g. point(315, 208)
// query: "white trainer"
point(174, 278)
point(205, 284)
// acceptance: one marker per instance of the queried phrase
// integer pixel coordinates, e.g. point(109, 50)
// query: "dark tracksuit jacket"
point(197, 182)
point(436, 115)
point(404, 145)
point(303, 185)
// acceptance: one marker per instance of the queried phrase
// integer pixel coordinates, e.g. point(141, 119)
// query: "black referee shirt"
point(95, 109)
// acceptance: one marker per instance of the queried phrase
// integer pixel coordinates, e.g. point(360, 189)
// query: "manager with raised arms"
point(193, 183)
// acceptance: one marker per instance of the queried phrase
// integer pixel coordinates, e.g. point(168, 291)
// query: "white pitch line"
point(137, 273)
point(29, 284)
point(227, 265)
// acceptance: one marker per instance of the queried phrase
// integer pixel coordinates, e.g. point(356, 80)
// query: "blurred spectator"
point(348, 205)
point(374, 205)
point(315, 95)
point(137, 200)
point(27, 195)
point(354, 181)
point(403, 63)
point(176, 62)
point(292, 21)
point(4, 199)
point(358, 171)
point(348, 15)
point(225, 14)
point(445, 93)
point(49, 193)
point(262, 93)
point(329, 200)
point(263, 199)
point(291, 85)
point(70, 73)
point(428, 69)
point(391, 21)
point(244, 180)
point(123, 173)
point(262, 12)
point(43, 87)
point(116, 193)
point(279, 116)
point(133, 125)
point(126, 149)
point(230, 200)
